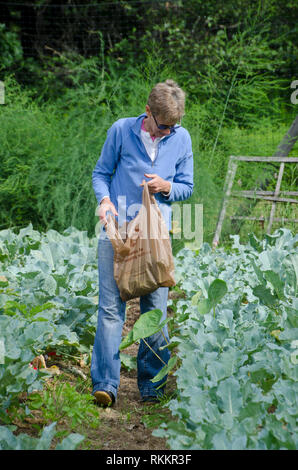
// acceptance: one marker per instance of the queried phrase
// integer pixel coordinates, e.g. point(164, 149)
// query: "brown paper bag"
point(143, 261)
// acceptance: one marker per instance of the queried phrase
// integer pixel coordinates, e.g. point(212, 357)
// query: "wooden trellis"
point(277, 196)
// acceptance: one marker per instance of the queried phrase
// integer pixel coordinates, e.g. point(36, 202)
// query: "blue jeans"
point(105, 363)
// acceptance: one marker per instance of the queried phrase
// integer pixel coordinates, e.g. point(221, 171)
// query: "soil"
point(123, 425)
point(128, 424)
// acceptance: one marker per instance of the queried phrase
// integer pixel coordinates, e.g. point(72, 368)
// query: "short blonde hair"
point(167, 101)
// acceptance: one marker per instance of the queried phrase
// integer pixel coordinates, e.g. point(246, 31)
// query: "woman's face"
point(153, 122)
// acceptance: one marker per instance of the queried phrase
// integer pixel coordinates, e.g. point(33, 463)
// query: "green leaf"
point(12, 307)
point(231, 398)
point(254, 242)
point(127, 341)
point(258, 272)
point(226, 365)
point(46, 437)
point(195, 298)
point(204, 306)
point(41, 308)
point(165, 370)
point(70, 442)
point(7, 439)
point(129, 362)
point(217, 290)
point(148, 324)
point(276, 282)
point(264, 295)
point(172, 345)
point(222, 442)
point(35, 401)
point(289, 334)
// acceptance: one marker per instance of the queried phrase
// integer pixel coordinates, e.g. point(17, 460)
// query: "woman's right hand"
point(105, 206)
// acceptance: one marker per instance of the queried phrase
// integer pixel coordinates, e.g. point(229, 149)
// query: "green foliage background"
point(235, 60)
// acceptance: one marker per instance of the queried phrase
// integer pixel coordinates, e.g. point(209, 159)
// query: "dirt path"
point(123, 426)
point(127, 425)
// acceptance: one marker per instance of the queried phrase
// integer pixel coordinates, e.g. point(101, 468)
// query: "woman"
point(153, 146)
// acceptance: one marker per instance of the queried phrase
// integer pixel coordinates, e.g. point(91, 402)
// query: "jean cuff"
point(105, 388)
point(151, 392)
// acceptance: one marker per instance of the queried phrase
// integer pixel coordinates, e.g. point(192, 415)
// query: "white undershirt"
point(151, 146)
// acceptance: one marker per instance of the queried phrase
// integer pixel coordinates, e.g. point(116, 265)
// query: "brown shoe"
point(104, 398)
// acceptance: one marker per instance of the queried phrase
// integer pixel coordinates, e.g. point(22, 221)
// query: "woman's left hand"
point(157, 184)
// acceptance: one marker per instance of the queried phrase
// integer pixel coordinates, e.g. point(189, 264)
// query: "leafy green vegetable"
point(216, 291)
point(148, 324)
point(236, 335)
point(24, 442)
point(237, 375)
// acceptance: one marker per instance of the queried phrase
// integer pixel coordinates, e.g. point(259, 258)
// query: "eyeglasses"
point(163, 127)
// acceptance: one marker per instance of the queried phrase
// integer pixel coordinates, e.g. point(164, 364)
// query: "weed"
point(61, 401)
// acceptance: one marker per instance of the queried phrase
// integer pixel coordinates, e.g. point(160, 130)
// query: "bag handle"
point(147, 197)
point(115, 237)
point(148, 200)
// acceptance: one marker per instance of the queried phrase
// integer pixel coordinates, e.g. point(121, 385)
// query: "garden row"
point(234, 330)
point(48, 288)
point(237, 347)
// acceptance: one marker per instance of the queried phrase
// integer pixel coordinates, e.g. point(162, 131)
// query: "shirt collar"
point(138, 124)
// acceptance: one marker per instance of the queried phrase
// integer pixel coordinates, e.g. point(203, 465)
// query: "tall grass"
point(50, 145)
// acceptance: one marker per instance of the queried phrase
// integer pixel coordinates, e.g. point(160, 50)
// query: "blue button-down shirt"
point(124, 160)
